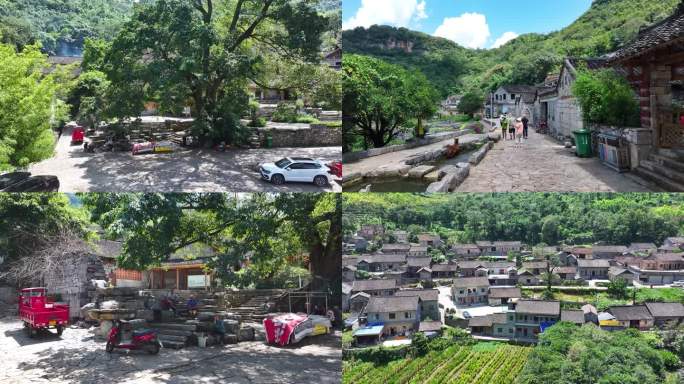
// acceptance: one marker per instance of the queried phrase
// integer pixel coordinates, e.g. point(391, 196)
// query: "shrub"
point(285, 113)
point(606, 98)
point(420, 345)
point(259, 122)
point(306, 119)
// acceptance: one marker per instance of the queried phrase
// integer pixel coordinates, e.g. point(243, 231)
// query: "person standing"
point(519, 130)
point(511, 129)
point(504, 126)
point(525, 122)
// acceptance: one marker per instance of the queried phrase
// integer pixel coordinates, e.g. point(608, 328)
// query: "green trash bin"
point(583, 142)
point(269, 141)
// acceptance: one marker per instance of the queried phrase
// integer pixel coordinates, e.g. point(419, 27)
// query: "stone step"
point(662, 181)
point(178, 339)
point(172, 344)
point(674, 154)
point(667, 161)
point(664, 171)
point(175, 332)
point(176, 326)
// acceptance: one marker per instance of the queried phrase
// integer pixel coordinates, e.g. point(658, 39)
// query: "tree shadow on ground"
point(194, 170)
point(233, 364)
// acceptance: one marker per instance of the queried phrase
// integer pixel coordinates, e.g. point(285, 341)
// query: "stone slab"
point(420, 171)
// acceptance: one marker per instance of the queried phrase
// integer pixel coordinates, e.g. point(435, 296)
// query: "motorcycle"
point(144, 339)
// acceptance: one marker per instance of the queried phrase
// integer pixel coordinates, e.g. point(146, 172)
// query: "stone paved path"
point(543, 165)
point(182, 171)
point(369, 164)
point(77, 358)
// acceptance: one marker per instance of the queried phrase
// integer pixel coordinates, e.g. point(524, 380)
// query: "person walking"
point(511, 129)
point(519, 129)
point(526, 123)
point(504, 126)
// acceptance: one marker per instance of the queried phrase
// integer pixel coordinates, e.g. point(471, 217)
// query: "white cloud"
point(505, 38)
point(469, 30)
point(398, 13)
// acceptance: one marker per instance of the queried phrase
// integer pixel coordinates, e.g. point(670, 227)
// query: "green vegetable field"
point(482, 363)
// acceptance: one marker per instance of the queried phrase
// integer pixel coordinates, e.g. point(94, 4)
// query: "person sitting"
point(219, 329)
point(168, 305)
point(193, 305)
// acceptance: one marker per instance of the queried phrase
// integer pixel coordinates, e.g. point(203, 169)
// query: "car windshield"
point(283, 163)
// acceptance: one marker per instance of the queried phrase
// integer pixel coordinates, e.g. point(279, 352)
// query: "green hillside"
point(606, 26)
point(61, 26)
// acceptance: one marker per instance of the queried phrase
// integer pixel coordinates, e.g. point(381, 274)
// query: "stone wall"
point(356, 156)
point(316, 136)
point(73, 282)
point(8, 295)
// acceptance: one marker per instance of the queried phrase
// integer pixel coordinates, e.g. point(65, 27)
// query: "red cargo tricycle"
point(77, 135)
point(39, 313)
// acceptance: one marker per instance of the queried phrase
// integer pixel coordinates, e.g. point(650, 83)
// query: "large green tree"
point(30, 103)
point(201, 51)
point(262, 230)
point(379, 99)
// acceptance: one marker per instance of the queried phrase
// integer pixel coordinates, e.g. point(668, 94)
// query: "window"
point(504, 96)
point(407, 315)
point(461, 291)
point(512, 96)
point(500, 330)
point(377, 316)
point(510, 330)
point(392, 316)
point(482, 290)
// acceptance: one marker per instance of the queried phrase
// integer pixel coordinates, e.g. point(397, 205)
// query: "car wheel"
point(153, 349)
point(110, 347)
point(321, 181)
point(278, 179)
point(60, 329)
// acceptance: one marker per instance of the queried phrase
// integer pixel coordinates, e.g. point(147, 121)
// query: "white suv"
point(298, 169)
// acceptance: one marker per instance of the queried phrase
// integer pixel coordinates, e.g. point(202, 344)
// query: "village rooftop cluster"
point(398, 289)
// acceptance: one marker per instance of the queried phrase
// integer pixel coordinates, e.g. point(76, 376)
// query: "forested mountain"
point(552, 218)
point(61, 26)
point(607, 25)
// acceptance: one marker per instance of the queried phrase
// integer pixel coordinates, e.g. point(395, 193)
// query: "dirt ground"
point(77, 357)
point(181, 171)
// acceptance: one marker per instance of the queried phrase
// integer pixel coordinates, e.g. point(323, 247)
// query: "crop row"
point(457, 364)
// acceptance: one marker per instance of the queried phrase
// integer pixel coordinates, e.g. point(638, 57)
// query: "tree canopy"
point(260, 231)
point(567, 353)
point(30, 103)
point(380, 99)
point(203, 52)
point(532, 218)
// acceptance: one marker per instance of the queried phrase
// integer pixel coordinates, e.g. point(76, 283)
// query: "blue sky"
point(471, 23)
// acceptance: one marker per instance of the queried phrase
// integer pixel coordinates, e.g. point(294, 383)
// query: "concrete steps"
point(665, 169)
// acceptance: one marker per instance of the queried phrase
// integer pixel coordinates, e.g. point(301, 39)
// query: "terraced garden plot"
point(483, 363)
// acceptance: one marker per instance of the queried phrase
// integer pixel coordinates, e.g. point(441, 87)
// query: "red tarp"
point(279, 328)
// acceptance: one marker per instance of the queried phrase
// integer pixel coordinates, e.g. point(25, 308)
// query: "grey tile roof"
point(534, 264)
point(538, 307)
point(424, 294)
point(666, 309)
point(609, 248)
point(669, 256)
point(573, 316)
point(372, 285)
point(444, 267)
point(499, 318)
point(630, 312)
point(430, 326)
point(470, 264)
point(480, 321)
point(504, 292)
point(419, 261)
point(595, 263)
point(383, 258)
point(396, 247)
point(392, 304)
point(467, 282)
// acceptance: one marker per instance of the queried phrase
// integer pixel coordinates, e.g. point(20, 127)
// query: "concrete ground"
point(541, 164)
point(182, 171)
point(77, 358)
point(446, 301)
